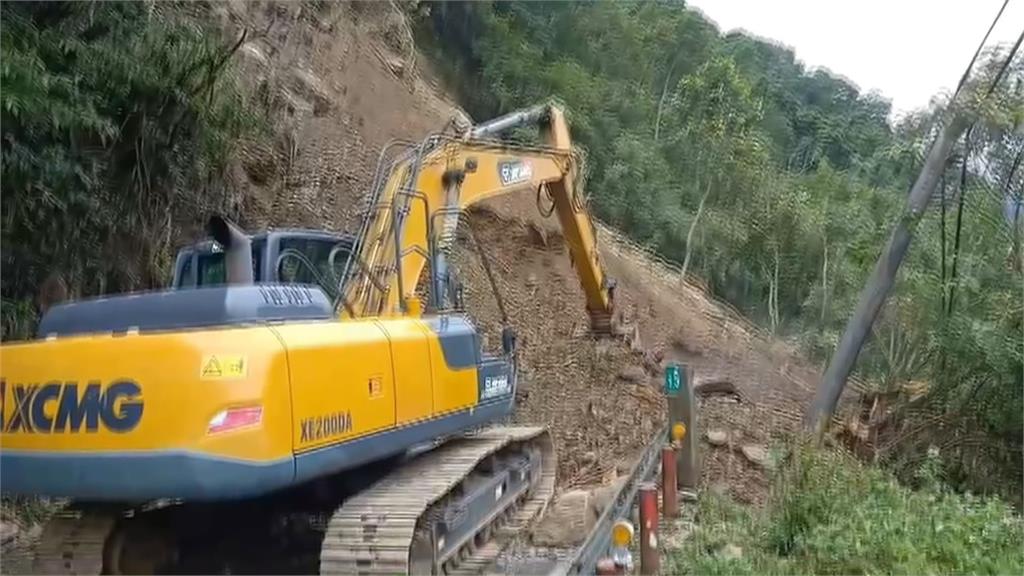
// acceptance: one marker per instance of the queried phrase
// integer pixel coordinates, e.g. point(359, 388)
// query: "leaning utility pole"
point(876, 291)
point(882, 278)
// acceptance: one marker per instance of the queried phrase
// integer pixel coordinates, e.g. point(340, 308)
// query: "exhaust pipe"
point(237, 249)
point(512, 120)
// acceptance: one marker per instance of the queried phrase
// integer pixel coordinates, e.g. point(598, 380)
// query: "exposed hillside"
point(337, 83)
point(340, 81)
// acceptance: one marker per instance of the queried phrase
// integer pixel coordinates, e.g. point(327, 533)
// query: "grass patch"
point(829, 514)
point(27, 510)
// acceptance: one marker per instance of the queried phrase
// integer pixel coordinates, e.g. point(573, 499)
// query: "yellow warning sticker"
point(223, 367)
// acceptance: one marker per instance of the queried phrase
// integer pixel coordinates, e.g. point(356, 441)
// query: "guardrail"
point(598, 544)
point(675, 446)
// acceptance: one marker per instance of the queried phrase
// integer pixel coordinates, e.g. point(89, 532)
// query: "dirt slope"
point(337, 81)
point(602, 400)
point(341, 80)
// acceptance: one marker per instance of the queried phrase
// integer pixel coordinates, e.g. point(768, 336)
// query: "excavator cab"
point(287, 256)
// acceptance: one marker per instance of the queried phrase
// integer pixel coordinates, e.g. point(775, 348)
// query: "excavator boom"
point(416, 211)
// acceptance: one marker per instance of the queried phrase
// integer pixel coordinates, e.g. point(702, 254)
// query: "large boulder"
point(718, 437)
point(757, 455)
point(601, 497)
point(567, 522)
point(632, 373)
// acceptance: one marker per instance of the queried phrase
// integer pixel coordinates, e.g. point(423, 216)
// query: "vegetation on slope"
point(829, 514)
point(777, 186)
point(117, 120)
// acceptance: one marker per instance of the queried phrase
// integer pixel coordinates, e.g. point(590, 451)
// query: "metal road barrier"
point(599, 542)
point(605, 550)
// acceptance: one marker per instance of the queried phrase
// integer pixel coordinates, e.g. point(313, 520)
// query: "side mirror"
point(508, 340)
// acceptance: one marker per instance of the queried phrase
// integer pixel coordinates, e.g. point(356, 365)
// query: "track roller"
point(102, 541)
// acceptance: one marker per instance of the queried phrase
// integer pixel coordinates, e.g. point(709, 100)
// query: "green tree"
point(116, 123)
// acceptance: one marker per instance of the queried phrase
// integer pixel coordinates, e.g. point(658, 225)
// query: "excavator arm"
point(416, 211)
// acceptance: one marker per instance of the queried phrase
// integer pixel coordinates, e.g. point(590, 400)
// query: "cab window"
point(211, 271)
point(318, 252)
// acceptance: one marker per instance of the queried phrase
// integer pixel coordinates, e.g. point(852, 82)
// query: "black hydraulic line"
point(305, 261)
point(545, 213)
point(339, 297)
point(396, 227)
point(371, 207)
point(487, 270)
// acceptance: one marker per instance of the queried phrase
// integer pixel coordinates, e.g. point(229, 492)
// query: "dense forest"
point(117, 122)
point(777, 186)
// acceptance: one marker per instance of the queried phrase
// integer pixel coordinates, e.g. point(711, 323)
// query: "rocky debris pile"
point(602, 399)
point(337, 82)
point(574, 513)
point(357, 82)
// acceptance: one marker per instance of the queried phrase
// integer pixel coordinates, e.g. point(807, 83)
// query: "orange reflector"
point(678, 431)
point(622, 533)
point(235, 418)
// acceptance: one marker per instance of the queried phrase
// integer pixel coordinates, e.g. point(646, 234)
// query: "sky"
point(908, 50)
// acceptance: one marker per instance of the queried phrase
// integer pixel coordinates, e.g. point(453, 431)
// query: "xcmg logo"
point(59, 407)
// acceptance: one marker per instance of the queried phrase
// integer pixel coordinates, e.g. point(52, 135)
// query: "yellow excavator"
point(297, 402)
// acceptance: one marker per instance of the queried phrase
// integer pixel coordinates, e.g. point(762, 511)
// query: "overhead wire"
point(967, 147)
point(977, 51)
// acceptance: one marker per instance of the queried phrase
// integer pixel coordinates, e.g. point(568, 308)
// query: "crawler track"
point(392, 527)
point(72, 543)
point(448, 511)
